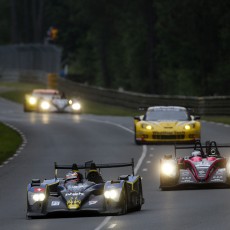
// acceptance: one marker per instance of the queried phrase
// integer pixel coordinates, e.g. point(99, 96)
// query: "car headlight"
point(45, 105)
point(187, 127)
point(32, 100)
point(228, 167)
point(76, 106)
point(147, 126)
point(38, 196)
point(111, 194)
point(169, 169)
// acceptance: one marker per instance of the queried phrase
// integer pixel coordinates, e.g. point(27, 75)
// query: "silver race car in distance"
point(50, 100)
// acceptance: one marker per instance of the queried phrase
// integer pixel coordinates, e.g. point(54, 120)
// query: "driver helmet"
point(196, 153)
point(73, 176)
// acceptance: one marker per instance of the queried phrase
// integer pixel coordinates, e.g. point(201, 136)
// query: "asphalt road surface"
point(67, 138)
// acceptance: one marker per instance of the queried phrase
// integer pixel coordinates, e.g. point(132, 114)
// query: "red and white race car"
point(204, 167)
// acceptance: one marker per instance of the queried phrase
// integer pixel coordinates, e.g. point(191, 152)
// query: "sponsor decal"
point(73, 203)
point(92, 202)
point(187, 179)
point(74, 194)
point(220, 171)
point(185, 173)
point(55, 203)
point(217, 178)
point(201, 172)
point(39, 189)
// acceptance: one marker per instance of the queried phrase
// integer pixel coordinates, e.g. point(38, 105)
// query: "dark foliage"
point(161, 47)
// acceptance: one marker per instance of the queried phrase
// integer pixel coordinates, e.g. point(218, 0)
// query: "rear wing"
point(91, 165)
point(204, 148)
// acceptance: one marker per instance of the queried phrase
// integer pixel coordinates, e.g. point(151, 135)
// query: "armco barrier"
point(218, 105)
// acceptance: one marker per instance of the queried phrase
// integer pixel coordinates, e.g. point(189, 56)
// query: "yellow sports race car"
point(166, 124)
point(50, 100)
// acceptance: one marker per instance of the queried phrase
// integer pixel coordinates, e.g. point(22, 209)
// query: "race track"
point(67, 138)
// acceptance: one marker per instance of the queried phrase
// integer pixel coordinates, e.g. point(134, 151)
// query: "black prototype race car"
point(204, 167)
point(91, 194)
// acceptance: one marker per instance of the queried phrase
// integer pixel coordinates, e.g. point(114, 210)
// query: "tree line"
point(175, 47)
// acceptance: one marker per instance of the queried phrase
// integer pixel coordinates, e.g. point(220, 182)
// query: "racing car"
point(203, 167)
point(89, 194)
point(50, 100)
point(166, 124)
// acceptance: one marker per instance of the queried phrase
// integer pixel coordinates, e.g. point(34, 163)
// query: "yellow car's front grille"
point(168, 135)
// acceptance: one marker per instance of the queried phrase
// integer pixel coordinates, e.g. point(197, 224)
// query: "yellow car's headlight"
point(228, 167)
point(76, 106)
point(187, 127)
point(169, 168)
point(45, 105)
point(147, 126)
point(190, 126)
point(39, 197)
point(32, 100)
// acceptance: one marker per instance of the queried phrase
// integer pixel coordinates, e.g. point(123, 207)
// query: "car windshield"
point(156, 115)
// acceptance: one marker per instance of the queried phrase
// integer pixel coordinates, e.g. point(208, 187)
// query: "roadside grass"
point(218, 119)
point(16, 91)
point(10, 140)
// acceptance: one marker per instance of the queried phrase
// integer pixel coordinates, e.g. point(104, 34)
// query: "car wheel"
point(139, 198)
point(135, 140)
point(124, 205)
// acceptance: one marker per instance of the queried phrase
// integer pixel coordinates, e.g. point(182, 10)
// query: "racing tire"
point(26, 110)
point(28, 217)
point(140, 197)
point(135, 140)
point(124, 205)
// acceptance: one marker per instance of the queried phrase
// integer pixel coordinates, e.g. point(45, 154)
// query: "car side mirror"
point(137, 118)
point(196, 117)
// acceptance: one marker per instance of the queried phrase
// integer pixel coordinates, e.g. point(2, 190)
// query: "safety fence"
point(216, 105)
point(20, 61)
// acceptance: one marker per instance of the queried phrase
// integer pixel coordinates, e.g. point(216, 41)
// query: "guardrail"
point(215, 105)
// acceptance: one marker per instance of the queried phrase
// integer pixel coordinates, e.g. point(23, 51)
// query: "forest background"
point(173, 47)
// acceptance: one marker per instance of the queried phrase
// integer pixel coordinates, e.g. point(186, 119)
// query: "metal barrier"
point(18, 61)
point(218, 105)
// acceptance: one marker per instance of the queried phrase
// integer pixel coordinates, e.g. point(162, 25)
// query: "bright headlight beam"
point(111, 194)
point(32, 100)
point(39, 197)
point(76, 106)
point(187, 127)
point(45, 105)
point(168, 169)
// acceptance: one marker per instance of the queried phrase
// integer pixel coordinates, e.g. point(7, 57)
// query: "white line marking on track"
point(111, 123)
point(103, 223)
point(145, 170)
point(112, 226)
point(140, 161)
point(148, 162)
point(143, 155)
point(21, 147)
